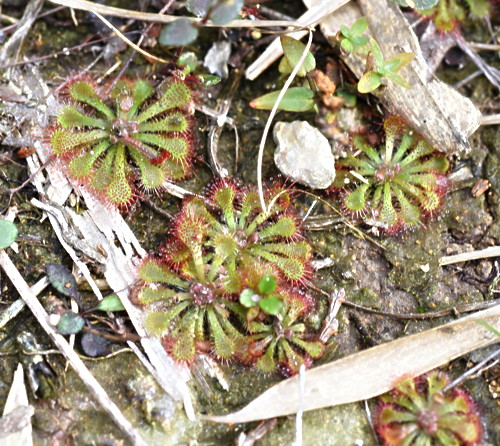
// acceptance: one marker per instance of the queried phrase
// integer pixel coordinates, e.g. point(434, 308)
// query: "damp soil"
point(398, 274)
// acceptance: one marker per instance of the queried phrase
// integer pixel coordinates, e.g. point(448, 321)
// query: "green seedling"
point(352, 39)
point(264, 297)
point(378, 68)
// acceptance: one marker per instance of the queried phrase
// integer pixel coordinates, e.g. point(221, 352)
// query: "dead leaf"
point(373, 371)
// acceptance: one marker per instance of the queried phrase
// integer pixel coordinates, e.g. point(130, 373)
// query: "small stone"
point(216, 59)
point(304, 154)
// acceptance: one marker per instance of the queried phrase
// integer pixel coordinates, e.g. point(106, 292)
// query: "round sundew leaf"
point(110, 303)
point(248, 298)
point(267, 284)
point(178, 33)
point(70, 323)
point(271, 305)
point(61, 279)
point(8, 233)
point(356, 200)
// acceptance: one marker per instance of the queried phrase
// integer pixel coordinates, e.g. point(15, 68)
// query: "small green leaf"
point(70, 323)
point(248, 298)
point(8, 233)
point(225, 11)
point(267, 284)
point(199, 7)
point(399, 61)
point(296, 99)
point(209, 79)
point(188, 60)
point(369, 82)
point(350, 99)
point(271, 305)
point(489, 327)
point(178, 33)
point(62, 280)
point(346, 45)
point(397, 79)
point(110, 303)
point(359, 27)
point(293, 50)
point(376, 51)
point(346, 32)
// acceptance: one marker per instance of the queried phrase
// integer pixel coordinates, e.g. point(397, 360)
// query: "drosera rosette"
point(282, 342)
point(399, 184)
point(221, 235)
point(448, 14)
point(114, 140)
point(189, 315)
point(419, 412)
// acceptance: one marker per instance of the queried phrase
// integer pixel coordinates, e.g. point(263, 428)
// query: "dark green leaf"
point(350, 99)
point(8, 233)
point(178, 33)
point(296, 99)
point(248, 298)
point(61, 279)
point(225, 11)
point(293, 50)
point(369, 82)
point(267, 284)
point(70, 323)
point(110, 303)
point(271, 305)
point(359, 27)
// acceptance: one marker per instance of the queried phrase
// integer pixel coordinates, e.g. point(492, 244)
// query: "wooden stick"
point(43, 318)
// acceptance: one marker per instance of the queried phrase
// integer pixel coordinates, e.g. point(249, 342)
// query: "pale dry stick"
point(17, 306)
point(128, 41)
point(490, 119)
point(162, 18)
point(271, 117)
point(492, 251)
point(484, 46)
point(311, 17)
point(43, 318)
point(473, 370)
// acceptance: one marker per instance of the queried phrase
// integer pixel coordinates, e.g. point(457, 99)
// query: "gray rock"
point(304, 154)
point(216, 59)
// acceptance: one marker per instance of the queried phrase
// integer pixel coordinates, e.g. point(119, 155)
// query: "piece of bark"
point(437, 111)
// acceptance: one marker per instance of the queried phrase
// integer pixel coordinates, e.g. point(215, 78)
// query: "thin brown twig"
point(456, 310)
point(30, 178)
